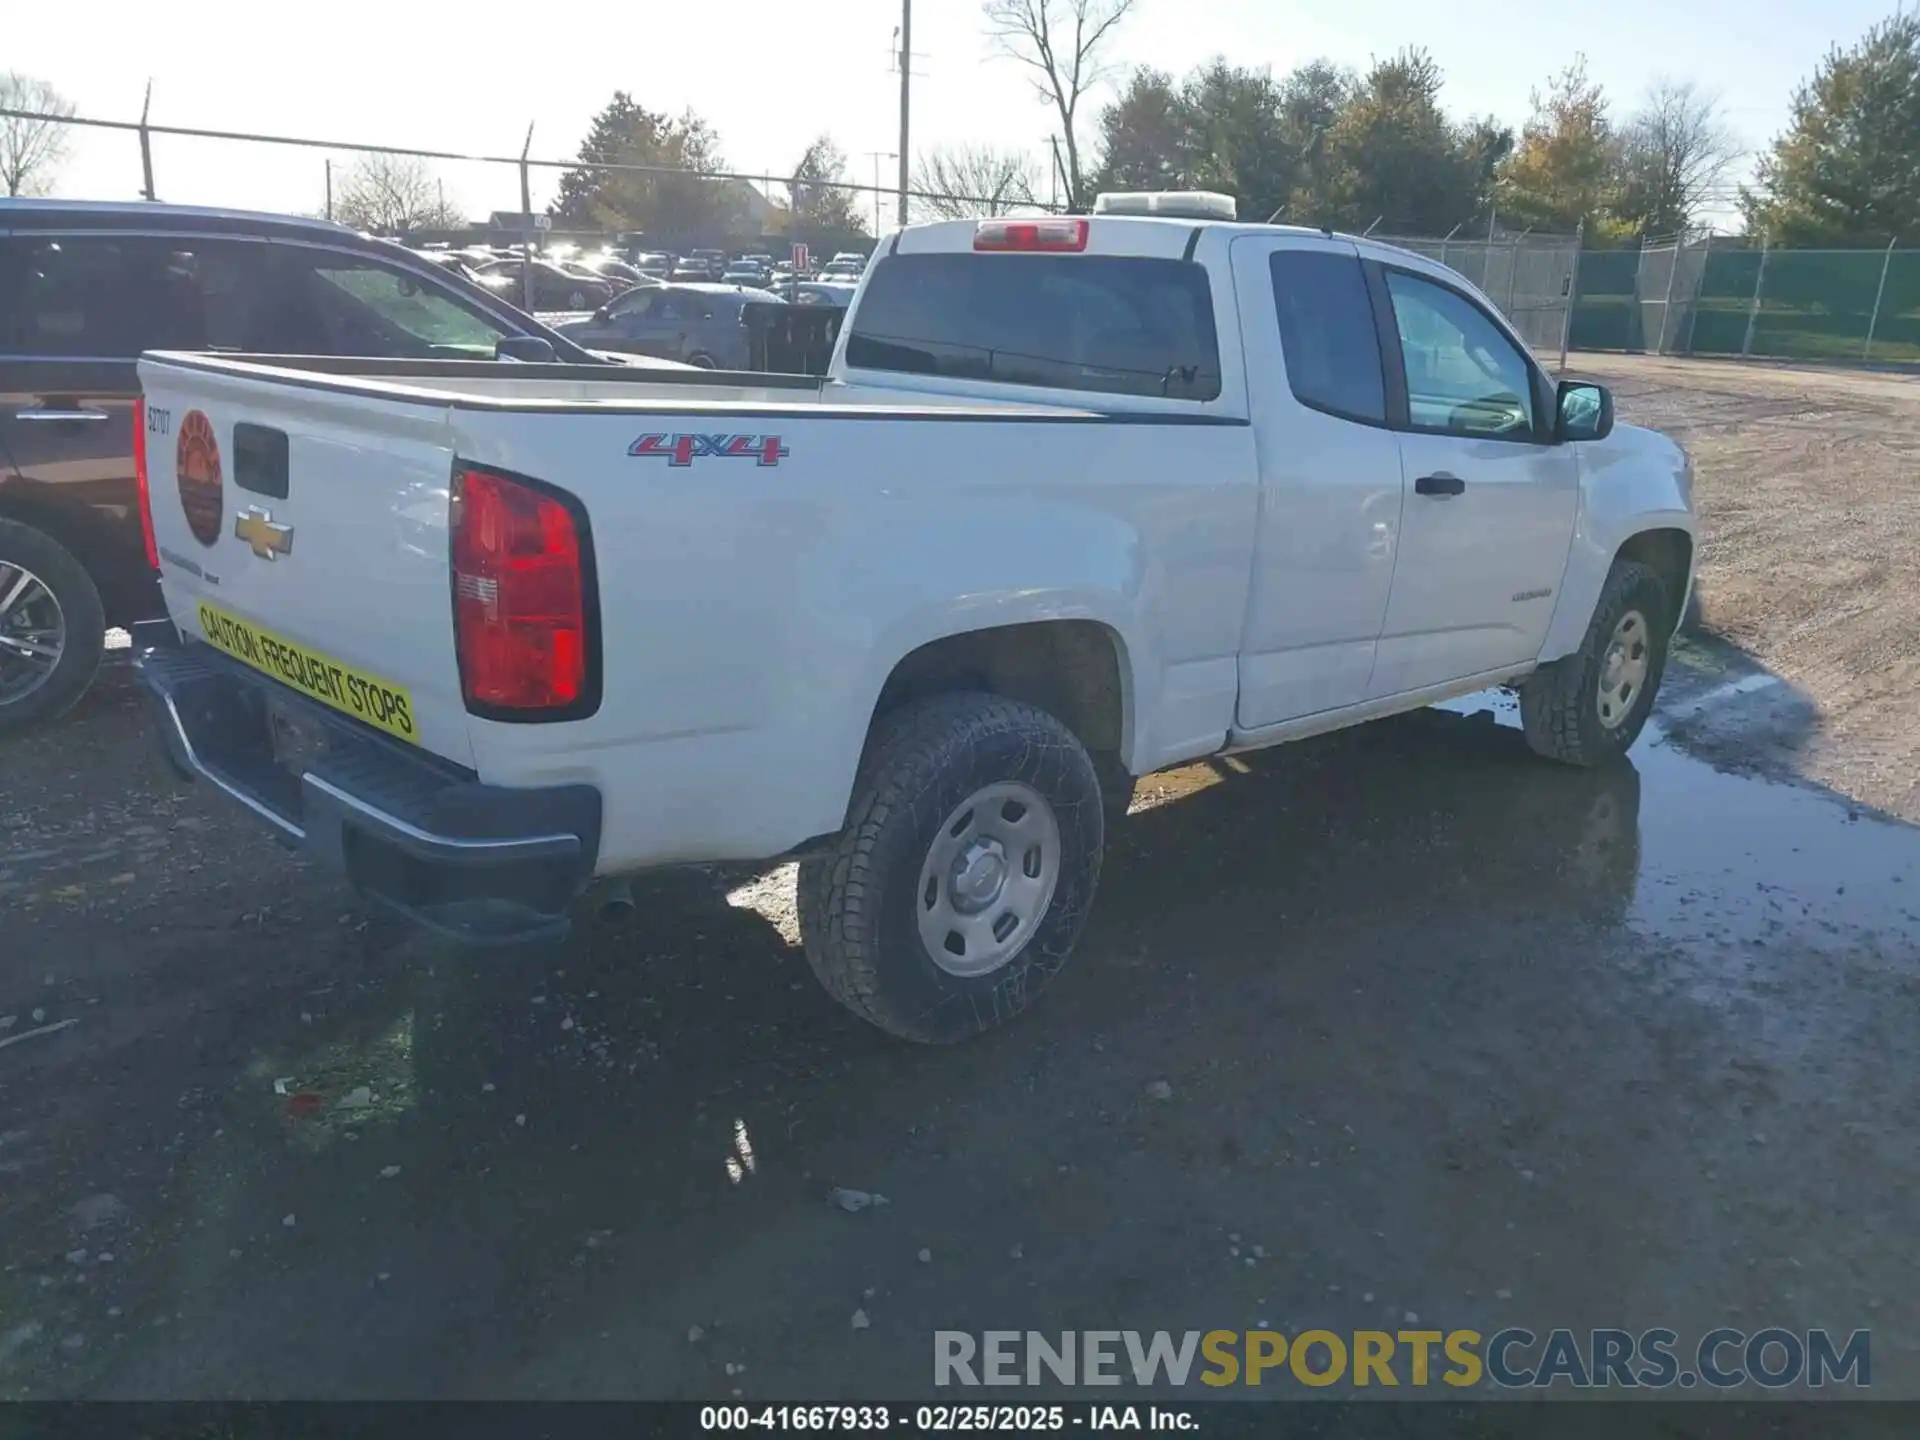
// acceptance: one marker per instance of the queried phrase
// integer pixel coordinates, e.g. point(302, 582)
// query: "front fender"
point(1633, 482)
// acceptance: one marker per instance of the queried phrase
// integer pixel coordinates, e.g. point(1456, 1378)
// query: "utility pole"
point(526, 225)
point(146, 145)
point(329, 187)
point(906, 77)
point(877, 156)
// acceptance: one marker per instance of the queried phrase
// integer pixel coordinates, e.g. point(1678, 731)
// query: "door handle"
point(1441, 484)
point(60, 414)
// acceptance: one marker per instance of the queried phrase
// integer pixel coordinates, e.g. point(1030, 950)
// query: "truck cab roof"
point(1124, 234)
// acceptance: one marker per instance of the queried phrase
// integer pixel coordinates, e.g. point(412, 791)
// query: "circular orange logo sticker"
point(196, 465)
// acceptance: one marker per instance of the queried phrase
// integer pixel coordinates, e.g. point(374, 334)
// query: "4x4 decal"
point(682, 450)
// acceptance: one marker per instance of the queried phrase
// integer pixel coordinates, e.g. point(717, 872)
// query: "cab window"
point(1464, 375)
point(366, 308)
point(1112, 324)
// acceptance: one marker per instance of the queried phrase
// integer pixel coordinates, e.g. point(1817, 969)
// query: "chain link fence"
point(1715, 295)
point(1531, 278)
point(428, 195)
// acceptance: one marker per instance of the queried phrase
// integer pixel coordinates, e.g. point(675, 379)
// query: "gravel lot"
point(1809, 491)
point(1441, 1029)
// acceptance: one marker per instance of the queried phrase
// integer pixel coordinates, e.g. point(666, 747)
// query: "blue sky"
point(469, 78)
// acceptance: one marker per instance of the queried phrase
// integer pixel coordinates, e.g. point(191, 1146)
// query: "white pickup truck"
point(1080, 499)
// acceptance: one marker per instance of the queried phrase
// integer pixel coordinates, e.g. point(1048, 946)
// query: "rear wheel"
point(1591, 705)
point(703, 360)
point(965, 872)
point(52, 628)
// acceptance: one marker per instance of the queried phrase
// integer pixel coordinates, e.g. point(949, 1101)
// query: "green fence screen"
point(1853, 305)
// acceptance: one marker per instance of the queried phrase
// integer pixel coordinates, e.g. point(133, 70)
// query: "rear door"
point(76, 309)
point(1330, 477)
point(658, 327)
point(1491, 500)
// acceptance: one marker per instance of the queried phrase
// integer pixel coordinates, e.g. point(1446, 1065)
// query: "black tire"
point(857, 904)
point(1692, 618)
point(86, 626)
point(1560, 707)
point(1116, 787)
point(703, 360)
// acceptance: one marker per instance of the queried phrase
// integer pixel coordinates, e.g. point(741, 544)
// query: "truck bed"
point(765, 551)
point(487, 384)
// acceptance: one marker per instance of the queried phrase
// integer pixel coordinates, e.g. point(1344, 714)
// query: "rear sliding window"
point(1111, 324)
point(1327, 332)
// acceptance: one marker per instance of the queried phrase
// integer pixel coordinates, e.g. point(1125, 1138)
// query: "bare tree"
point(1674, 156)
point(31, 150)
point(962, 181)
point(1061, 42)
point(385, 193)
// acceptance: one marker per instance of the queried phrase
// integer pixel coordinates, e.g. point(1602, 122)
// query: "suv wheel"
point(52, 628)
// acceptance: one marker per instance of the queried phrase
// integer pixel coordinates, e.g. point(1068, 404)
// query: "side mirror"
point(1584, 412)
point(530, 349)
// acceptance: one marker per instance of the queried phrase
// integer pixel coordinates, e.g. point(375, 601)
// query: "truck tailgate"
point(304, 531)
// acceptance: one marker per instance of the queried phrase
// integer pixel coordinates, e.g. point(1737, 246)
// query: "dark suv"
point(84, 288)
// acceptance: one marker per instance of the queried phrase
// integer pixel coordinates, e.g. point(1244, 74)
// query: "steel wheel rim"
point(988, 879)
point(33, 632)
point(1623, 669)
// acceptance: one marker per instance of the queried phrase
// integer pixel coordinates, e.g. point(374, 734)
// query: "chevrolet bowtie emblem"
point(268, 540)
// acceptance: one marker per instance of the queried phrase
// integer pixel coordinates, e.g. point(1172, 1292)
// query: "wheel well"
point(1069, 668)
point(85, 538)
point(78, 534)
point(1669, 554)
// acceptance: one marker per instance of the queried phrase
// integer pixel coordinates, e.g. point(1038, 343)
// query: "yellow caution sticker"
point(352, 692)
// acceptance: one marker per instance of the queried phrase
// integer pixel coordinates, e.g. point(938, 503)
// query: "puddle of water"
point(1742, 860)
point(1772, 856)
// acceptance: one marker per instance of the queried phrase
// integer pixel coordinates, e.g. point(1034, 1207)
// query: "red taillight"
point(519, 596)
point(140, 481)
point(1046, 235)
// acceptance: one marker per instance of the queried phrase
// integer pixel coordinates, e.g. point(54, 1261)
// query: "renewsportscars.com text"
point(1514, 1358)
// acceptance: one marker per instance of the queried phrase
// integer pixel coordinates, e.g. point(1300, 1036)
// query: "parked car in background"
point(744, 274)
point(844, 271)
point(554, 288)
point(613, 269)
point(714, 260)
point(583, 269)
point(696, 272)
point(817, 292)
point(696, 323)
point(653, 263)
point(84, 288)
point(451, 260)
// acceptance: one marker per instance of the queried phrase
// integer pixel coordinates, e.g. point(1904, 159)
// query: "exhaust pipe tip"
point(613, 903)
